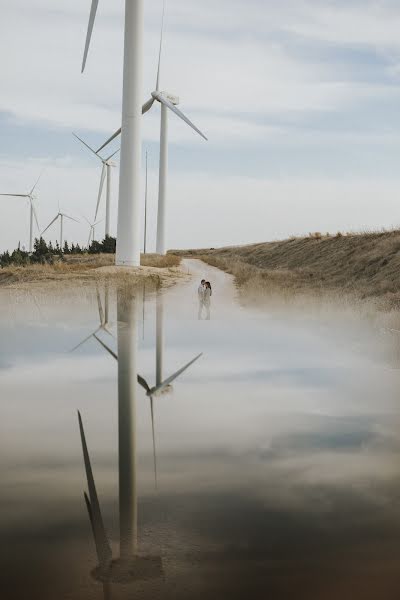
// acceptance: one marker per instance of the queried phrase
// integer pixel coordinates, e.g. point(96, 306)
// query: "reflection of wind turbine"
point(161, 386)
point(128, 234)
point(131, 565)
point(168, 102)
point(103, 316)
point(105, 175)
point(60, 216)
point(33, 214)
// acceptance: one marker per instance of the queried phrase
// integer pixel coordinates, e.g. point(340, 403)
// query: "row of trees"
point(44, 253)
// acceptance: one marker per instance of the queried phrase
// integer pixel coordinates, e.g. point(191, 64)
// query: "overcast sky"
point(299, 98)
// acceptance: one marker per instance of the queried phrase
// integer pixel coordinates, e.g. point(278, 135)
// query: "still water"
point(269, 468)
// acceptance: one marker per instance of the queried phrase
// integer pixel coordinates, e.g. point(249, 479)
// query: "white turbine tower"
point(33, 215)
point(168, 102)
point(105, 176)
point(60, 216)
point(128, 232)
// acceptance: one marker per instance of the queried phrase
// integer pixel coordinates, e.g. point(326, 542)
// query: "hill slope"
point(365, 264)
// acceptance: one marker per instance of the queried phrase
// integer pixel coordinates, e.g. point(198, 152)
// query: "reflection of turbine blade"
point(106, 347)
point(85, 340)
point(140, 379)
point(106, 302)
point(144, 304)
point(101, 312)
point(167, 382)
point(103, 549)
point(154, 441)
point(102, 563)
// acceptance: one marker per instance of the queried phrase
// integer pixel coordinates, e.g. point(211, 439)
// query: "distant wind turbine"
point(60, 215)
point(92, 229)
point(104, 323)
point(105, 175)
point(168, 102)
point(33, 213)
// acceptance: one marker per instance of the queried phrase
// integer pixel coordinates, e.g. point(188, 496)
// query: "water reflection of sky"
point(277, 452)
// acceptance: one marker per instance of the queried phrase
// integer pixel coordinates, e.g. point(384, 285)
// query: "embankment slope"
point(366, 264)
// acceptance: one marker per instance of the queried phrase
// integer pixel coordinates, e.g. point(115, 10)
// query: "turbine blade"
point(102, 178)
point(50, 224)
point(154, 441)
point(161, 98)
point(92, 16)
point(100, 307)
point(143, 383)
point(147, 105)
point(16, 195)
point(114, 135)
point(160, 50)
point(103, 548)
point(71, 218)
point(35, 214)
point(111, 155)
point(106, 347)
point(38, 179)
point(87, 146)
point(145, 108)
point(170, 379)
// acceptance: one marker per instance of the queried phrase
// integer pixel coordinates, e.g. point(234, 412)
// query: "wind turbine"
point(33, 214)
point(128, 232)
point(168, 102)
point(60, 216)
point(92, 229)
point(105, 175)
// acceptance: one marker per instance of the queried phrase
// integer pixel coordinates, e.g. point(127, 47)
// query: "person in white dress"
point(207, 299)
point(200, 292)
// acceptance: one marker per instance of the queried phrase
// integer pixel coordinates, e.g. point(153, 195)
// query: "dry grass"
point(87, 267)
point(365, 265)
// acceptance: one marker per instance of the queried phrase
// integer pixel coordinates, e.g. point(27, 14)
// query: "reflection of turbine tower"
point(161, 386)
point(103, 316)
point(130, 565)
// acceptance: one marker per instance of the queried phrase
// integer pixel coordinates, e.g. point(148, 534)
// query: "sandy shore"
point(47, 278)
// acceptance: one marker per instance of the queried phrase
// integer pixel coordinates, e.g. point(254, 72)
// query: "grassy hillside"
point(86, 267)
point(367, 264)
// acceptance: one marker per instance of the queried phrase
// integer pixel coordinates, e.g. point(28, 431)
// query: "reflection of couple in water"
point(204, 293)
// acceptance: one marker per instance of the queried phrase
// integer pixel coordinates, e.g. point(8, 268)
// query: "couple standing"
point(204, 293)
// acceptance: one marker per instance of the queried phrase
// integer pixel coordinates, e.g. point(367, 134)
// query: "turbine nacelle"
point(173, 99)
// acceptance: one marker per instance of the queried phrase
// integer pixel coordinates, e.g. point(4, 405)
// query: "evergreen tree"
point(40, 247)
point(109, 244)
point(66, 248)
